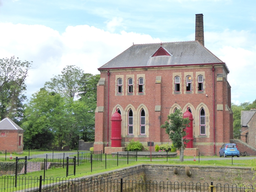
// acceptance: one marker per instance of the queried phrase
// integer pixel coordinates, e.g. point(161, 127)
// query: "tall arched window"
point(130, 85)
point(130, 122)
point(142, 122)
point(200, 83)
point(119, 85)
point(202, 122)
point(177, 83)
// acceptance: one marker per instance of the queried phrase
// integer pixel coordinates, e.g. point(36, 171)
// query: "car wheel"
point(237, 155)
point(220, 155)
point(224, 155)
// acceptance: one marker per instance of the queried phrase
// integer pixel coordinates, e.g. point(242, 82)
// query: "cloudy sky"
point(88, 33)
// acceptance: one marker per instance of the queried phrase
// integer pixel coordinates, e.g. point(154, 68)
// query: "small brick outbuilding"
point(11, 136)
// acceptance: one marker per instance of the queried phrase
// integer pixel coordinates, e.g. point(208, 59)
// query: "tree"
point(175, 127)
point(67, 83)
point(13, 73)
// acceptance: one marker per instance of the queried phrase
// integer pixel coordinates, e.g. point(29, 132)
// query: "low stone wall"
point(158, 173)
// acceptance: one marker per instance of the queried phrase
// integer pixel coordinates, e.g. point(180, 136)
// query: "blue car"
point(229, 149)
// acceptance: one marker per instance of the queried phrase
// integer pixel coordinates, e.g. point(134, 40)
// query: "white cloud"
point(115, 22)
point(84, 46)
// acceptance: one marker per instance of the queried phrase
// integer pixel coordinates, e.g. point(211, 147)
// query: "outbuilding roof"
point(181, 53)
point(8, 124)
point(246, 116)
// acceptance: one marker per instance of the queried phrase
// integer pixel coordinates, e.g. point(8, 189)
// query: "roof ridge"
point(161, 43)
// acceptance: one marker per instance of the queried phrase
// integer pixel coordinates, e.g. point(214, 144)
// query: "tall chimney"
point(200, 28)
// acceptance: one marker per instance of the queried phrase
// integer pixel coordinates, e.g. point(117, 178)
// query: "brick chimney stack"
point(199, 34)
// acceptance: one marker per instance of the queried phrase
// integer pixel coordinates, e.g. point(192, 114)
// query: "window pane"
point(200, 86)
point(202, 120)
point(203, 130)
point(140, 80)
point(130, 120)
point(119, 89)
point(140, 88)
point(142, 130)
point(200, 78)
point(130, 89)
point(142, 112)
point(130, 129)
point(177, 79)
point(119, 81)
point(202, 112)
point(130, 81)
point(177, 87)
point(142, 121)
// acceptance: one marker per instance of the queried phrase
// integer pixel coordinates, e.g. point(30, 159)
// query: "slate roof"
point(8, 124)
point(182, 53)
point(246, 116)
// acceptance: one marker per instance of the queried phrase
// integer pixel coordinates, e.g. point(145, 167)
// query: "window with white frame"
point(130, 85)
point(200, 82)
point(142, 122)
point(202, 122)
point(177, 83)
point(188, 83)
point(141, 85)
point(130, 122)
point(119, 85)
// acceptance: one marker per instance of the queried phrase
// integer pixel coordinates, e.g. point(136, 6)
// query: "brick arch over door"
point(122, 116)
point(197, 120)
point(142, 106)
point(126, 113)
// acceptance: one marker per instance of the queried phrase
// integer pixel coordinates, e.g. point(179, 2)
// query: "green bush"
point(134, 146)
point(157, 148)
point(173, 148)
point(91, 149)
point(165, 147)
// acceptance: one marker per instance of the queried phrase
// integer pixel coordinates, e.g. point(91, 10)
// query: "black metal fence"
point(111, 185)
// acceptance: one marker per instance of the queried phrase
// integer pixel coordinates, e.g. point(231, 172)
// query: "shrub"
point(157, 148)
point(173, 149)
point(134, 146)
point(91, 149)
point(165, 147)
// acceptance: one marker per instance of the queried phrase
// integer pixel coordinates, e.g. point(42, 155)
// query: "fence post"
point(28, 153)
point(199, 157)
point(121, 185)
point(78, 158)
point(52, 155)
point(5, 154)
point(26, 164)
point(40, 184)
point(136, 155)
point(127, 157)
point(232, 160)
point(44, 167)
point(101, 155)
point(117, 159)
point(16, 171)
point(67, 168)
point(91, 161)
point(46, 160)
point(63, 160)
point(105, 161)
point(74, 165)
point(167, 156)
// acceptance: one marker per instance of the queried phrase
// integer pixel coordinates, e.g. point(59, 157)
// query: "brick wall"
point(159, 91)
point(10, 141)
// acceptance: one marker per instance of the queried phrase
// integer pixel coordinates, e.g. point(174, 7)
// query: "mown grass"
point(85, 168)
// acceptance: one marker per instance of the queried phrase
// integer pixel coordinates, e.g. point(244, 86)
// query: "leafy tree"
point(13, 73)
point(175, 127)
point(67, 83)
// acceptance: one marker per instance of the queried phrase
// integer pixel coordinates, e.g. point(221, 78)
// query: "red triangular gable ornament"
point(161, 52)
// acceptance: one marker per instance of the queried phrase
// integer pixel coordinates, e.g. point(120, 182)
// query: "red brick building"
point(147, 82)
point(11, 136)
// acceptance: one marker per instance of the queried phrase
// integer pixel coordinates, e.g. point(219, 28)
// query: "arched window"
point(202, 122)
point(118, 111)
point(130, 122)
point(119, 85)
point(142, 122)
point(189, 110)
point(141, 85)
point(177, 83)
point(130, 85)
point(200, 82)
point(188, 83)
point(175, 109)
